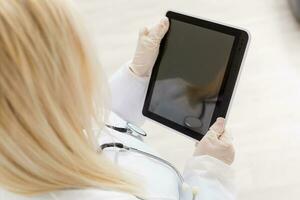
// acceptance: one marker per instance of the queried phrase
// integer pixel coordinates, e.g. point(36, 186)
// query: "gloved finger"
point(218, 126)
point(212, 135)
point(226, 137)
point(143, 31)
point(159, 30)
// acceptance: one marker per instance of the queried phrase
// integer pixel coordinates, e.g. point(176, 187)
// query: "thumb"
point(159, 30)
point(226, 137)
point(143, 31)
point(219, 126)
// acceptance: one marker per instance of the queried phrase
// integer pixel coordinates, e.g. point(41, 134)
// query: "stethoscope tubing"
point(130, 129)
point(122, 146)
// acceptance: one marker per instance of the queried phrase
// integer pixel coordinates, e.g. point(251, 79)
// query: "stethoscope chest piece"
point(136, 131)
point(130, 129)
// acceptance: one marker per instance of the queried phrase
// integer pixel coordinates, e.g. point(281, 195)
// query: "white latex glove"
point(148, 47)
point(217, 143)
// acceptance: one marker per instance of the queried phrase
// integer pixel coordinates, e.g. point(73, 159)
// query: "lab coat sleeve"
point(212, 178)
point(128, 93)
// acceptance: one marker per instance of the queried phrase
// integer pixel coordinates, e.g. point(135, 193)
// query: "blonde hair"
point(48, 99)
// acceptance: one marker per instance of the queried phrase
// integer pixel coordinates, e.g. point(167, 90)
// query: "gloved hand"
point(148, 47)
point(217, 143)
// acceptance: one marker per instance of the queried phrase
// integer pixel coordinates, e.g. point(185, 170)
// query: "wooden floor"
point(265, 115)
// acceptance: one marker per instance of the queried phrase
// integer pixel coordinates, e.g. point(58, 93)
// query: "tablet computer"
point(194, 76)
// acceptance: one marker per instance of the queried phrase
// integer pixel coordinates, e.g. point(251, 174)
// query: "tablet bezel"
point(241, 38)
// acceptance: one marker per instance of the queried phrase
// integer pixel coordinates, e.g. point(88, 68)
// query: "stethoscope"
point(130, 129)
point(138, 133)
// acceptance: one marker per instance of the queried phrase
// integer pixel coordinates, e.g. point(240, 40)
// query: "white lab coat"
point(213, 178)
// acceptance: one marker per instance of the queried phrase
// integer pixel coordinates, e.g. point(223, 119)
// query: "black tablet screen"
point(191, 71)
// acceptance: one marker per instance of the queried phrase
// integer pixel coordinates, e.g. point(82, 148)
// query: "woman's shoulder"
point(75, 194)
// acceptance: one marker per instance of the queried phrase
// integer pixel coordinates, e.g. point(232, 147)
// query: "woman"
point(53, 100)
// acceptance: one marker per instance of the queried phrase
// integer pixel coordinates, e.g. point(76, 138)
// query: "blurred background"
point(265, 115)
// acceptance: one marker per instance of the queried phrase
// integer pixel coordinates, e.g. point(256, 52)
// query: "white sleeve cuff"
point(212, 165)
point(205, 168)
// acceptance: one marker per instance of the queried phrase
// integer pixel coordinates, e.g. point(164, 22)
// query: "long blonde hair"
point(49, 95)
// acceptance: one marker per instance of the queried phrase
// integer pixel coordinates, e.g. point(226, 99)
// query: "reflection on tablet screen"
point(190, 75)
